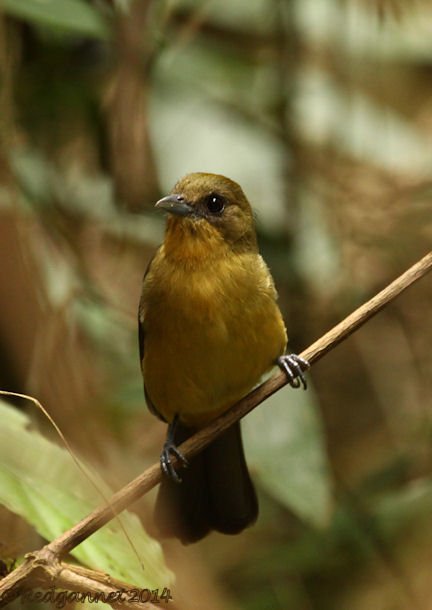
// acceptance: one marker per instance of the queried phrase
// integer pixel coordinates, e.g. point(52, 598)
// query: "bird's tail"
point(216, 492)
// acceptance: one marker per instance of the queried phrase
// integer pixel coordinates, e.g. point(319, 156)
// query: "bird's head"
point(211, 207)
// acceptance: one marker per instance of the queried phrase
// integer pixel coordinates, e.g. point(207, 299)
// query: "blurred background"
point(322, 111)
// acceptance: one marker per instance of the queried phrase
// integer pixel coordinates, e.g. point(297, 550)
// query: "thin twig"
point(21, 577)
point(46, 580)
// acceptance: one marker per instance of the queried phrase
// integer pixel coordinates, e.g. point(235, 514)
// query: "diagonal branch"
point(152, 476)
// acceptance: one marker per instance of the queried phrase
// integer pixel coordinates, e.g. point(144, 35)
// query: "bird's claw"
point(294, 366)
point(169, 450)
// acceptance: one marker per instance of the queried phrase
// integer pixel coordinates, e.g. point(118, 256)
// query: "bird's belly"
point(215, 359)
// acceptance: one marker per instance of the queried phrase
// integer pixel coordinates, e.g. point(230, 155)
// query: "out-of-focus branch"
point(126, 109)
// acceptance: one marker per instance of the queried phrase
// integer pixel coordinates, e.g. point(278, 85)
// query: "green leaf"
point(71, 15)
point(40, 482)
point(284, 439)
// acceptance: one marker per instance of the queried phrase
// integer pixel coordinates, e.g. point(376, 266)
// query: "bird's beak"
point(175, 204)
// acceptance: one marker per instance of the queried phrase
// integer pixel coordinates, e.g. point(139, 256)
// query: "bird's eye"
point(215, 203)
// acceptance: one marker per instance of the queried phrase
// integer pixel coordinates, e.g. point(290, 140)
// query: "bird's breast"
point(210, 335)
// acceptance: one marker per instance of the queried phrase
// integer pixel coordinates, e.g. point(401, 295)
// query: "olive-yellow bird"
point(209, 328)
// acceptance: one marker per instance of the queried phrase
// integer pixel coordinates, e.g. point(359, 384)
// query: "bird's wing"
point(141, 316)
point(141, 342)
point(141, 338)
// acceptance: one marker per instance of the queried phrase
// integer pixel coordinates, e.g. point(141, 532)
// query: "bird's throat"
point(191, 242)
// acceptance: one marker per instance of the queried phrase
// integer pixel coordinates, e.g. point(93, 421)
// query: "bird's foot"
point(169, 450)
point(294, 366)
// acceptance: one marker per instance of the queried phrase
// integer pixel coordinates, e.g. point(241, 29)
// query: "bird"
point(209, 329)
